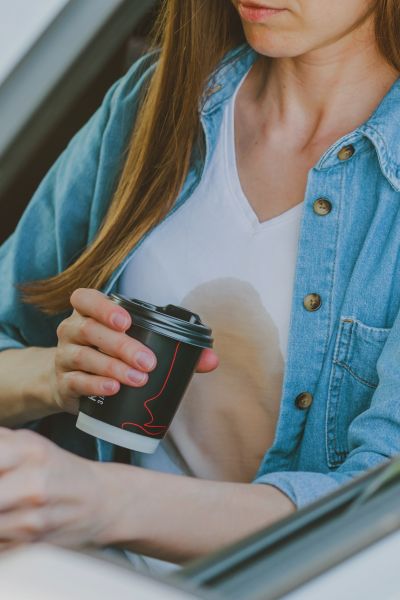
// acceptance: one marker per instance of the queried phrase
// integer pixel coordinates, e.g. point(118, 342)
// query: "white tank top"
point(214, 257)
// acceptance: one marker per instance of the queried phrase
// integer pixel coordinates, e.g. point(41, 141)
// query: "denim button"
point(312, 302)
point(303, 400)
point(322, 207)
point(346, 152)
point(210, 91)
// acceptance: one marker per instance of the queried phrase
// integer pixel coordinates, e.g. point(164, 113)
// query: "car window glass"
point(21, 24)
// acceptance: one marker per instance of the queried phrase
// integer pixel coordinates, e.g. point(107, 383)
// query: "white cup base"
point(115, 435)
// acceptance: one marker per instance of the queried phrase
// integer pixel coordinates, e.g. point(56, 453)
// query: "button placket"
point(309, 327)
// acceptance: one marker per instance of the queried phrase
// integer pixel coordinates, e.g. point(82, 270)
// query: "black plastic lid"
point(172, 321)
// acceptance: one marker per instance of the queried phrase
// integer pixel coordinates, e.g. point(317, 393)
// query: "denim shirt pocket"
point(352, 382)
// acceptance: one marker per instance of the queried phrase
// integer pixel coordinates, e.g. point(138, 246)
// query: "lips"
point(258, 6)
point(255, 13)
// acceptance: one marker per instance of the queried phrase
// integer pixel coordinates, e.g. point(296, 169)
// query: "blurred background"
point(57, 60)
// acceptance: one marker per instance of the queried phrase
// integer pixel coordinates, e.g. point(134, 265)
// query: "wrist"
point(30, 388)
point(39, 393)
point(119, 497)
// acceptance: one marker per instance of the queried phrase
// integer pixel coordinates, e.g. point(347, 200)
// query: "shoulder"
point(128, 89)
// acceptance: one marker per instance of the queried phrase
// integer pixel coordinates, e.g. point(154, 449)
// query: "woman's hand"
point(94, 355)
point(49, 494)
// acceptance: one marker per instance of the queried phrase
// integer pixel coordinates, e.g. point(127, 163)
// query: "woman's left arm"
point(179, 518)
point(48, 494)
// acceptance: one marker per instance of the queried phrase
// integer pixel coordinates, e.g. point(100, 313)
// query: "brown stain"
point(227, 418)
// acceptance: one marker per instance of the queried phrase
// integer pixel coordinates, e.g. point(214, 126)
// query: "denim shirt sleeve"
point(66, 211)
point(53, 228)
point(374, 436)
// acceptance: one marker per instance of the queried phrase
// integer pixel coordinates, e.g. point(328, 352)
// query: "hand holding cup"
point(94, 355)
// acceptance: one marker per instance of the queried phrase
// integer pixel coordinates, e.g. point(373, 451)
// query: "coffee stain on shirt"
point(227, 418)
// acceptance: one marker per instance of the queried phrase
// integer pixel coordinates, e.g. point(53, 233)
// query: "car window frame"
point(282, 558)
point(68, 54)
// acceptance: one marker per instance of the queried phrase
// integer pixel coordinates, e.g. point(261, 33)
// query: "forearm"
point(25, 385)
point(179, 518)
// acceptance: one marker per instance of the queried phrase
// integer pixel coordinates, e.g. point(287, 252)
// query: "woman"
point(268, 135)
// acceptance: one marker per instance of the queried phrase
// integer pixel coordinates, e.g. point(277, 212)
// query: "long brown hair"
point(192, 35)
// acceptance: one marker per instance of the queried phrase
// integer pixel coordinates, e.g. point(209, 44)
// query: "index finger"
point(95, 304)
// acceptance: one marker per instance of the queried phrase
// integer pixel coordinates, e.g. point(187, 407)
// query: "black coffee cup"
point(138, 418)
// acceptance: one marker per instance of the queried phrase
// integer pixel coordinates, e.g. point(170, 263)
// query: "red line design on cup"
point(145, 426)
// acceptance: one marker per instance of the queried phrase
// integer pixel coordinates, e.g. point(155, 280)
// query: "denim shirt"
point(345, 355)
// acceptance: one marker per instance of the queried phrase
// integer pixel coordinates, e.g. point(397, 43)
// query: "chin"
point(273, 45)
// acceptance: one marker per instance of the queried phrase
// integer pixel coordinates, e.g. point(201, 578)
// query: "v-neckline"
point(233, 179)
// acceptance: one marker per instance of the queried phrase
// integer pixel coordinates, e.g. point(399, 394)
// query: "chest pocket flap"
point(353, 381)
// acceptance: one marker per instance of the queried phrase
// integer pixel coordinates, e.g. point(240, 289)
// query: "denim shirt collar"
point(223, 82)
point(381, 129)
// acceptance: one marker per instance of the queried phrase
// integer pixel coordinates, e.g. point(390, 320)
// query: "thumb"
point(208, 361)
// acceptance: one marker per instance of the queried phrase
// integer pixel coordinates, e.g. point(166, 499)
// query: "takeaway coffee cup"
point(138, 418)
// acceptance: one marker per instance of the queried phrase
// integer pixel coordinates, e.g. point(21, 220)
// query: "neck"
point(348, 79)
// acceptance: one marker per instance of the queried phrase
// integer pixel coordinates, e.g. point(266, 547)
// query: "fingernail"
point(136, 376)
point(109, 386)
point(145, 360)
point(119, 321)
